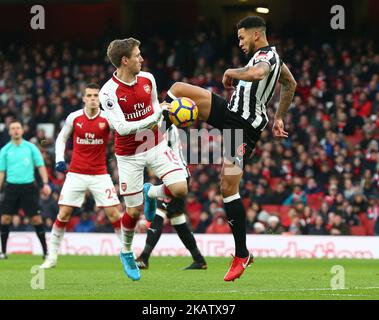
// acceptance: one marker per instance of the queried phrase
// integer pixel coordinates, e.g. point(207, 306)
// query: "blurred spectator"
point(274, 225)
point(338, 226)
point(205, 221)
point(85, 224)
point(298, 195)
point(318, 227)
point(259, 228)
point(219, 224)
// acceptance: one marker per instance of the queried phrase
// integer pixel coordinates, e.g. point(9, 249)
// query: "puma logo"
point(123, 99)
point(153, 230)
point(80, 125)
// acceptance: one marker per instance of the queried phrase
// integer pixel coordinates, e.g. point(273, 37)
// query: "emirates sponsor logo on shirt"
point(139, 111)
point(147, 88)
point(89, 139)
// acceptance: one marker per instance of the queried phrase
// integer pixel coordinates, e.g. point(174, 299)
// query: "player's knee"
point(135, 212)
point(113, 214)
point(228, 189)
point(180, 190)
point(177, 89)
point(64, 215)
point(177, 219)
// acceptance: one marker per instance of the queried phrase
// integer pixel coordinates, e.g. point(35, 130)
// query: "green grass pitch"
point(91, 277)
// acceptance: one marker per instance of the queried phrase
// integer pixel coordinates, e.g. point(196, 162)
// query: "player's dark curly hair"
point(252, 22)
point(121, 48)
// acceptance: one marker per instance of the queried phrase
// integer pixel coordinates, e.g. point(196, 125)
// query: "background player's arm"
point(60, 143)
point(288, 86)
point(248, 73)
point(2, 176)
point(117, 119)
point(3, 167)
point(40, 164)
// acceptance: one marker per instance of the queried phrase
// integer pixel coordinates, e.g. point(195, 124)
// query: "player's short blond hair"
point(121, 48)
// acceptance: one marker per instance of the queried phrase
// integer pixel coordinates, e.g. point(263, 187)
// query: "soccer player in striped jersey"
point(247, 111)
point(173, 209)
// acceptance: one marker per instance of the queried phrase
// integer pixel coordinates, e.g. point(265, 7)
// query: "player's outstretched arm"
point(248, 73)
point(287, 91)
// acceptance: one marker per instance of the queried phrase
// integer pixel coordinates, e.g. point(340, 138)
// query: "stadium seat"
point(315, 200)
point(284, 217)
point(271, 208)
point(358, 230)
point(370, 226)
point(364, 219)
point(274, 182)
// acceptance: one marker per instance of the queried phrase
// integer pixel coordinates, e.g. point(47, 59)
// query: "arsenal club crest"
point(123, 186)
point(147, 88)
point(101, 125)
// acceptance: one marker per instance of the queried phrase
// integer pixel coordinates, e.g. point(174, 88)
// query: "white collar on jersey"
point(128, 84)
point(84, 110)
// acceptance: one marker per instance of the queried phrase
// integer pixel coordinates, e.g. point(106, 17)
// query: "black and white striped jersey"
point(250, 99)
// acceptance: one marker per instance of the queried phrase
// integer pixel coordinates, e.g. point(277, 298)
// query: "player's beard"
point(251, 50)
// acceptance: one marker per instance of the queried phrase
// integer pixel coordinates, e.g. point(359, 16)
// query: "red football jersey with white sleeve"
point(90, 140)
point(124, 103)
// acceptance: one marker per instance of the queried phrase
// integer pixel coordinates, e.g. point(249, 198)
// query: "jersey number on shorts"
point(172, 156)
point(109, 192)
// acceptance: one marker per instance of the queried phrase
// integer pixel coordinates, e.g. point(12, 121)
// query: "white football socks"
point(157, 192)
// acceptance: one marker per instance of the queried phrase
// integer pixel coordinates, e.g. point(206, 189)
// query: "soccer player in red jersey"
point(130, 101)
point(246, 112)
point(88, 170)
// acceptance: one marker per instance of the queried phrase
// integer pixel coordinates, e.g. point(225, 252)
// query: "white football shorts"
point(161, 159)
point(76, 185)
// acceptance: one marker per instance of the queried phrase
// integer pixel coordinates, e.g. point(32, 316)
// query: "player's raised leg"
point(201, 96)
point(165, 165)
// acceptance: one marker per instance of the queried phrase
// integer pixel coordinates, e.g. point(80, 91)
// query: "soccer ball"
point(183, 112)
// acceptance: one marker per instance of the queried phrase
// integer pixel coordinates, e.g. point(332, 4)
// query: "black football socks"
point(237, 221)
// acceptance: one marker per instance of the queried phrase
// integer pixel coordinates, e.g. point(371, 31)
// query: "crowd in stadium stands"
point(323, 179)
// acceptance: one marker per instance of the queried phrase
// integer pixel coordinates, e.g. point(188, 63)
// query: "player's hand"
point(165, 106)
point(61, 166)
point(227, 81)
point(46, 190)
point(278, 129)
